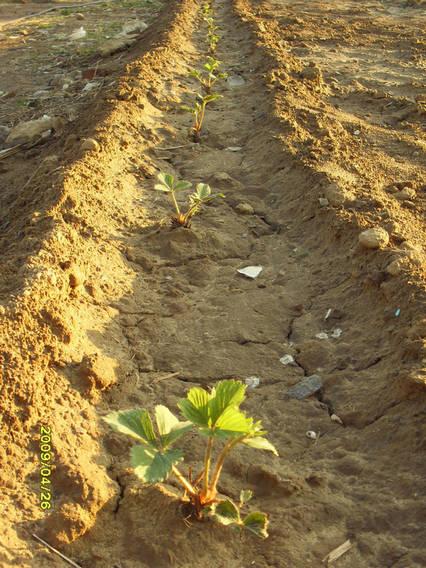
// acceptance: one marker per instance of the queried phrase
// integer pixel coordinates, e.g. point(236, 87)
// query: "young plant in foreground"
point(201, 195)
point(209, 74)
point(199, 110)
point(216, 416)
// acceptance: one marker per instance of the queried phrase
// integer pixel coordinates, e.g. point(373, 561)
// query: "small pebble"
point(90, 144)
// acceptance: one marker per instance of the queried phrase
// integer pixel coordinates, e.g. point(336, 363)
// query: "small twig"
point(163, 377)
point(50, 547)
point(337, 553)
point(174, 147)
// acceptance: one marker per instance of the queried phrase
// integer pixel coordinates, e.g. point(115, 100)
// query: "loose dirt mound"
point(112, 309)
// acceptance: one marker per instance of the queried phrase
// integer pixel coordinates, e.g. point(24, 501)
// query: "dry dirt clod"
point(90, 144)
point(98, 371)
point(395, 267)
point(28, 131)
point(405, 194)
point(76, 277)
point(244, 209)
point(336, 195)
point(374, 238)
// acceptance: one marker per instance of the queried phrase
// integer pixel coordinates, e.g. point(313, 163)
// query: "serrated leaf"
point(260, 444)
point(227, 513)
point(257, 523)
point(135, 423)
point(203, 190)
point(225, 394)
point(169, 427)
point(165, 419)
point(151, 465)
point(245, 496)
point(195, 407)
point(233, 423)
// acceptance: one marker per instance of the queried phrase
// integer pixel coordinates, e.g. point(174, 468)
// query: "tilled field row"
point(120, 309)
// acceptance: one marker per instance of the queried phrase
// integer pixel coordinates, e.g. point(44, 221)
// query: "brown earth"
point(105, 307)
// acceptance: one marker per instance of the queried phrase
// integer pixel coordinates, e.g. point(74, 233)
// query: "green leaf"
point(161, 187)
point(165, 419)
point(226, 393)
point(227, 513)
point(203, 190)
point(135, 423)
point(245, 496)
point(182, 185)
point(210, 98)
point(257, 523)
point(261, 444)
point(196, 406)
point(169, 427)
point(188, 108)
point(233, 423)
point(170, 180)
point(151, 465)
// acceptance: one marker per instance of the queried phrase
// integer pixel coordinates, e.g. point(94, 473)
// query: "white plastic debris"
point(251, 271)
point(311, 435)
point(234, 148)
point(252, 382)
point(287, 360)
point(337, 332)
point(328, 314)
point(79, 33)
point(90, 86)
point(322, 335)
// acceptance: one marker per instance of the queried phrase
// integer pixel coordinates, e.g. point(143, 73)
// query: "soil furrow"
point(159, 309)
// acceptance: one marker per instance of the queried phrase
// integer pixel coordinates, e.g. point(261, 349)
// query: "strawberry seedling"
point(217, 417)
point(199, 110)
point(209, 74)
point(200, 196)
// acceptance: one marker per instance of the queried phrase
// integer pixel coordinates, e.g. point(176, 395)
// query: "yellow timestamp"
point(45, 446)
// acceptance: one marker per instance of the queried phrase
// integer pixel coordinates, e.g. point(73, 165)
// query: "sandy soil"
point(330, 125)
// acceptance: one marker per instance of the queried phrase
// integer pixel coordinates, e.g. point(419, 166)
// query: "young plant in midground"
point(216, 416)
point(209, 74)
point(199, 197)
point(199, 110)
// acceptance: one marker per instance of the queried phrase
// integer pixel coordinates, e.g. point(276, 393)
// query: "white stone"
point(374, 238)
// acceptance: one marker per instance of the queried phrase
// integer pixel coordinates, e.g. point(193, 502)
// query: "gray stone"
point(307, 387)
point(235, 81)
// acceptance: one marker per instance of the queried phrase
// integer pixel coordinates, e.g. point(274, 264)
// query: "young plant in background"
point(217, 417)
point(209, 74)
point(213, 41)
point(200, 196)
point(199, 110)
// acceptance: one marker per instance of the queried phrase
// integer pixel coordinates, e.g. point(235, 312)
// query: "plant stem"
point(184, 481)
point(175, 202)
point(220, 461)
point(207, 462)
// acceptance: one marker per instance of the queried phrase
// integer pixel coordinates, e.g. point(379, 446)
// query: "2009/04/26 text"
point(45, 467)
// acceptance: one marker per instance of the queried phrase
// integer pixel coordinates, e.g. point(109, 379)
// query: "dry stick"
point(50, 547)
point(174, 147)
point(51, 10)
point(163, 377)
